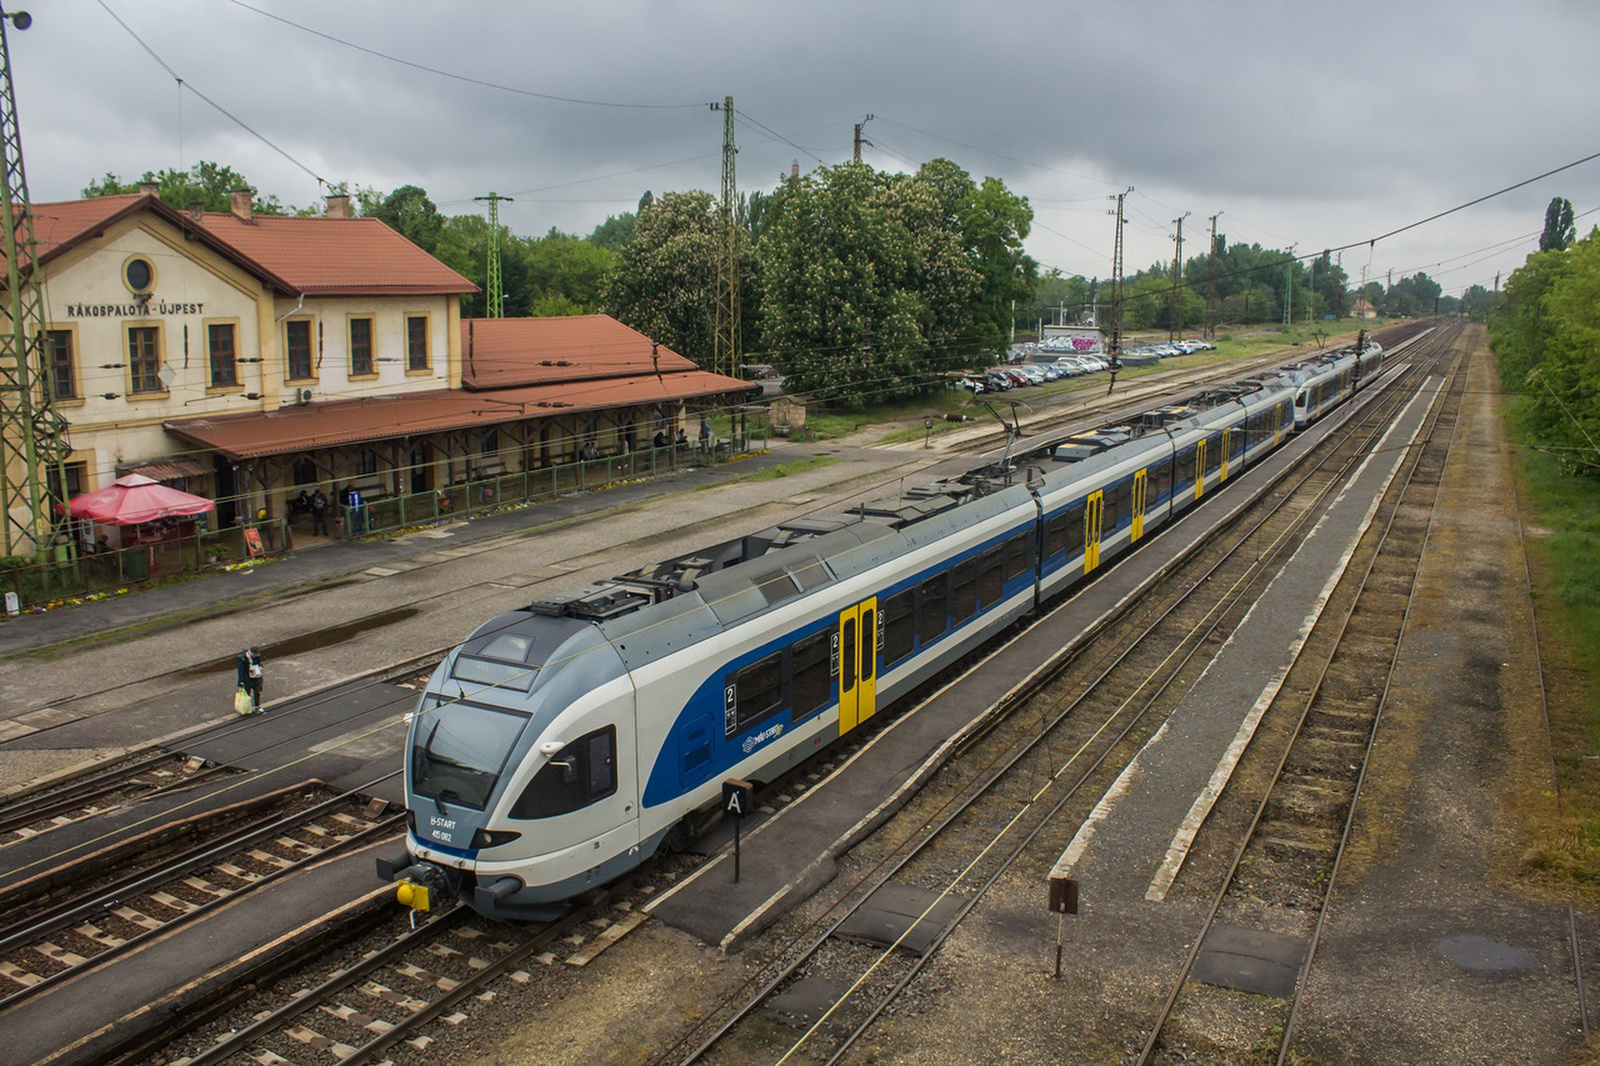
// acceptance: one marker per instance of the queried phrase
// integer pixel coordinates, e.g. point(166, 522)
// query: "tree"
point(664, 280)
point(1559, 230)
point(615, 232)
point(209, 184)
point(851, 258)
point(1547, 343)
point(409, 212)
point(560, 271)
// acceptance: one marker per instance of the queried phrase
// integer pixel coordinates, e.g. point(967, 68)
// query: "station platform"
point(787, 857)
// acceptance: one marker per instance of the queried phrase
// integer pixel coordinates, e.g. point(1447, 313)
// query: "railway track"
point(1012, 788)
point(385, 1001)
point(92, 794)
point(52, 943)
point(1275, 891)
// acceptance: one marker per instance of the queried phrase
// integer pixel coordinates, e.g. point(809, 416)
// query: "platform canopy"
point(133, 499)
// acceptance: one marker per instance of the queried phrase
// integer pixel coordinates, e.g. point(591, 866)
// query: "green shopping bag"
point(242, 702)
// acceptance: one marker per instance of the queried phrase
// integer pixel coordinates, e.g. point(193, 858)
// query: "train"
point(562, 744)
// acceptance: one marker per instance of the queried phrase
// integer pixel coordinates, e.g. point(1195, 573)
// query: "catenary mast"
point(33, 435)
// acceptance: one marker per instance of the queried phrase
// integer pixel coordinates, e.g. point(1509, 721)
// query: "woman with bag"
point(247, 700)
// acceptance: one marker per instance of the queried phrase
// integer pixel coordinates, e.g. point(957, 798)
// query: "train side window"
point(1075, 530)
point(1019, 560)
point(1055, 536)
point(992, 576)
point(811, 679)
point(1160, 482)
point(899, 628)
point(1185, 478)
point(581, 773)
point(1213, 453)
point(964, 591)
point(758, 691)
point(1116, 507)
point(932, 614)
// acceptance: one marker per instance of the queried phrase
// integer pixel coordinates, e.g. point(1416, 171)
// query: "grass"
point(785, 469)
point(1563, 542)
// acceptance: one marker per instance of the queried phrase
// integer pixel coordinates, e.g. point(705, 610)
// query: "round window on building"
point(138, 274)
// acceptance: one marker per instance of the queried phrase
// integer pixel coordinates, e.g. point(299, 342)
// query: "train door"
point(1141, 481)
point(1227, 432)
point(1199, 468)
point(1092, 510)
point(1277, 424)
point(858, 664)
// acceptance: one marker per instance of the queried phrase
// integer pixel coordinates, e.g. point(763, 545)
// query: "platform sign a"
point(738, 797)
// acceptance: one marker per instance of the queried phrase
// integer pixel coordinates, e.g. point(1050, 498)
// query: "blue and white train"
point(564, 743)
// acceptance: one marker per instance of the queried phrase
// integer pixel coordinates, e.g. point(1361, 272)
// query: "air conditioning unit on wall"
point(302, 396)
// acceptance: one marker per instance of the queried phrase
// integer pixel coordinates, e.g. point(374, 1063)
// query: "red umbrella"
point(133, 499)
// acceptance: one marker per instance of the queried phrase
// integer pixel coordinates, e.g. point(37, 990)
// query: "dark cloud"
point(1322, 124)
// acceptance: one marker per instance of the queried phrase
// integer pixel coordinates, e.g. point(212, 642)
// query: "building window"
point(63, 374)
point(366, 462)
point(360, 346)
point(297, 348)
point(138, 275)
point(223, 353)
point(417, 343)
point(144, 359)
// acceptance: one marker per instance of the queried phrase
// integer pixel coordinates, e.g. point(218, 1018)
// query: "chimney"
point(149, 188)
point(197, 210)
point(239, 201)
point(794, 169)
point(338, 206)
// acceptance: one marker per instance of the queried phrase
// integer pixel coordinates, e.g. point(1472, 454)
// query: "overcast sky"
point(1321, 124)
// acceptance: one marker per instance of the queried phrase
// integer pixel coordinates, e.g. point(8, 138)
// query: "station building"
point(244, 357)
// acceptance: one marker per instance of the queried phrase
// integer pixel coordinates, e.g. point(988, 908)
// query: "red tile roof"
point(58, 226)
point(341, 422)
point(314, 256)
point(498, 352)
point(322, 256)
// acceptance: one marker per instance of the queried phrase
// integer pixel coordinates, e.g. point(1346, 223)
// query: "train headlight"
point(493, 838)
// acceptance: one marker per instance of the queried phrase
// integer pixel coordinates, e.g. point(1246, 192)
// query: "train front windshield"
point(458, 750)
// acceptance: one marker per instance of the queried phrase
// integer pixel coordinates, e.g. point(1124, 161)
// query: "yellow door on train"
point(1093, 508)
point(1199, 468)
point(1227, 431)
point(857, 662)
point(1141, 482)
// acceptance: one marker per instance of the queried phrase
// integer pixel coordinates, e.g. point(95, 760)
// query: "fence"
point(40, 585)
point(106, 572)
point(468, 498)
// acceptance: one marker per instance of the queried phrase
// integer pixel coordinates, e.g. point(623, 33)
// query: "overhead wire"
point(184, 84)
point(466, 78)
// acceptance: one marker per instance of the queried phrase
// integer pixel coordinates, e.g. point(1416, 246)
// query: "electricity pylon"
point(1116, 283)
point(33, 435)
point(495, 297)
point(725, 352)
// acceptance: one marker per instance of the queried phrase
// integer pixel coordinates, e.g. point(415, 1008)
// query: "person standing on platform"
point(252, 672)
point(319, 513)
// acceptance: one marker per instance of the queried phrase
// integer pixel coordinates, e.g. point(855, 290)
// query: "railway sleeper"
point(1339, 733)
point(1293, 836)
point(1307, 804)
point(1328, 760)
